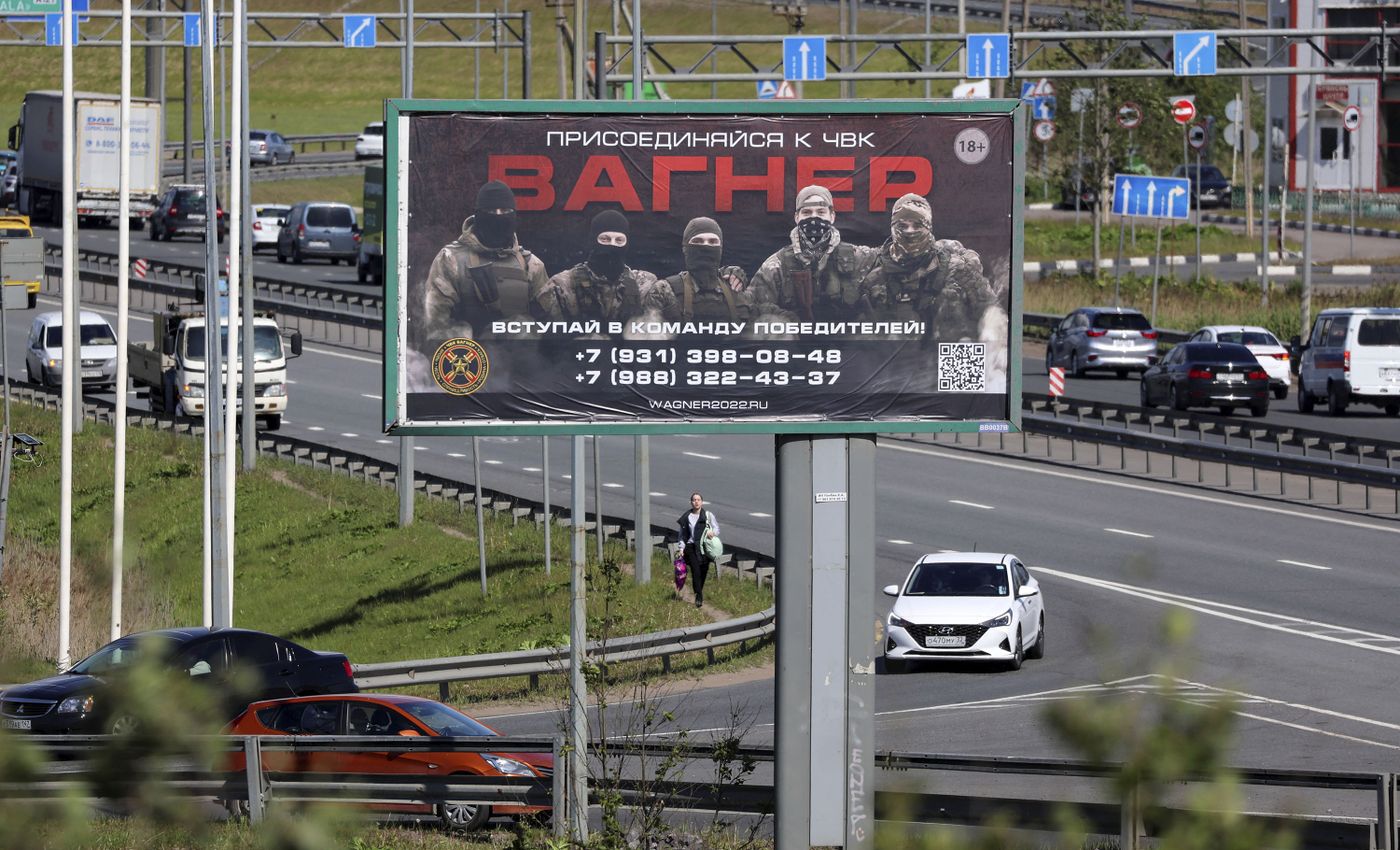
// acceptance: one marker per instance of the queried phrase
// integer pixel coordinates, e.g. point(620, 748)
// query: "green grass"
point(348, 189)
point(319, 559)
point(1063, 240)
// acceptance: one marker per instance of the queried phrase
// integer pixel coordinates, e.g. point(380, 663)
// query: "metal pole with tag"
point(71, 386)
point(598, 493)
point(406, 449)
point(641, 536)
point(1351, 181)
point(548, 516)
point(123, 296)
point(824, 736)
point(238, 141)
point(1198, 216)
point(1264, 187)
point(1306, 311)
point(1118, 264)
point(577, 808)
point(250, 373)
point(1156, 274)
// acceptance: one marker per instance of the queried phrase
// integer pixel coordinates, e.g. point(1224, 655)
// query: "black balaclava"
point(495, 230)
point(702, 258)
point(607, 260)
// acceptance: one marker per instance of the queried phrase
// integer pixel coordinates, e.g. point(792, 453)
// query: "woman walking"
point(696, 525)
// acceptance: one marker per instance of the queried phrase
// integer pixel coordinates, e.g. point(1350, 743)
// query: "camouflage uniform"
point(717, 296)
point(945, 288)
point(471, 285)
point(821, 286)
point(581, 295)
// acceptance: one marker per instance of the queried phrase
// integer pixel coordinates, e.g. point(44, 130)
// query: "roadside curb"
point(1216, 218)
point(1175, 260)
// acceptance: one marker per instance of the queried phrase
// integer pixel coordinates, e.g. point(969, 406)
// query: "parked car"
point(319, 230)
point(267, 147)
point(965, 605)
point(1265, 347)
point(182, 211)
point(370, 142)
point(97, 349)
point(388, 714)
point(76, 701)
point(1207, 374)
point(1116, 338)
point(1352, 356)
point(266, 226)
point(1209, 183)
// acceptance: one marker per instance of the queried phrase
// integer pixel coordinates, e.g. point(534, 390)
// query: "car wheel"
point(273, 162)
point(167, 235)
point(1019, 656)
point(1122, 374)
point(1392, 410)
point(33, 300)
point(281, 257)
point(1049, 358)
point(1144, 398)
point(1076, 369)
point(296, 254)
point(291, 157)
point(462, 817)
point(1174, 399)
point(1305, 400)
point(153, 235)
point(1038, 651)
point(29, 371)
point(1281, 393)
point(1336, 400)
point(895, 666)
point(273, 421)
point(122, 724)
point(1227, 410)
point(1259, 409)
point(237, 809)
point(361, 273)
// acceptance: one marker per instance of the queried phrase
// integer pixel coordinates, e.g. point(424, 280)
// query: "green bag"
point(713, 548)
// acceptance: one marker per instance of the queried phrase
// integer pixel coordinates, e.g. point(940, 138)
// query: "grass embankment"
point(320, 559)
point(349, 189)
point(1064, 240)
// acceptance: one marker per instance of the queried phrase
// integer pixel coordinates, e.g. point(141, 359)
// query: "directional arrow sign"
point(192, 30)
point(359, 31)
point(804, 58)
point(1193, 53)
point(1151, 197)
point(988, 55)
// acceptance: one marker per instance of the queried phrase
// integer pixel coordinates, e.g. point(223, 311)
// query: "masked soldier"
point(918, 277)
point(603, 287)
point(817, 276)
point(706, 291)
point(484, 275)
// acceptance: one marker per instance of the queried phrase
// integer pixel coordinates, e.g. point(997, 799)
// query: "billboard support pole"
point(405, 482)
point(548, 517)
point(641, 536)
point(577, 807)
point(598, 493)
point(480, 512)
point(825, 734)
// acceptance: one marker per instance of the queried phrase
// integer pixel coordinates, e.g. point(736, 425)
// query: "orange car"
point(388, 714)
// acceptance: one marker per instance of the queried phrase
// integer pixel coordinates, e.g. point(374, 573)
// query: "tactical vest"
point(493, 288)
point(587, 303)
point(830, 291)
point(685, 286)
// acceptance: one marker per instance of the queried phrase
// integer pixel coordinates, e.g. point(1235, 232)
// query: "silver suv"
point(1112, 338)
point(319, 230)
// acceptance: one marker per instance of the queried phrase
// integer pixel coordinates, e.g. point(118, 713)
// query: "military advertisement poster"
point(850, 266)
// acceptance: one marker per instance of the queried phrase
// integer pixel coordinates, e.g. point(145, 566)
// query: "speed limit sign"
point(1351, 118)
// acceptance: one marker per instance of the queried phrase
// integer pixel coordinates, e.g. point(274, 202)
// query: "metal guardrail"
point(175, 150)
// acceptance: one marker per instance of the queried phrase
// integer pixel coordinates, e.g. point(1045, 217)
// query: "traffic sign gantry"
point(359, 31)
point(1129, 115)
point(1183, 109)
point(1151, 197)
point(988, 55)
point(1351, 118)
point(1196, 136)
point(1193, 53)
point(804, 57)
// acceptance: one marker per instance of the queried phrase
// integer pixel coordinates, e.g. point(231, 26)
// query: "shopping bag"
point(681, 571)
point(713, 548)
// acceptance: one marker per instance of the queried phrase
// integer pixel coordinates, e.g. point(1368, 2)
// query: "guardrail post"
point(252, 758)
point(1386, 788)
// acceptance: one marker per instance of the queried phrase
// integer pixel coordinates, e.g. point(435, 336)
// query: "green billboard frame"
point(397, 108)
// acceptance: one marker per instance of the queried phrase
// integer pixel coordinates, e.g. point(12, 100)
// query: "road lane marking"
point(657, 495)
point(612, 486)
point(384, 442)
point(1024, 468)
point(760, 514)
point(971, 505)
point(455, 454)
point(372, 395)
point(901, 542)
point(493, 462)
point(702, 456)
point(314, 428)
point(420, 448)
point(1302, 564)
point(531, 469)
point(348, 434)
point(1128, 533)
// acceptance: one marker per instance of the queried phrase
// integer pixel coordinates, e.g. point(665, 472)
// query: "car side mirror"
point(891, 590)
point(410, 733)
point(167, 346)
point(296, 343)
point(281, 222)
point(1027, 590)
point(1295, 346)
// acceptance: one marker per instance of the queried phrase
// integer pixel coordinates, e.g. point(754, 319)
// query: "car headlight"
point(55, 363)
point(76, 705)
point(510, 767)
point(1003, 620)
point(192, 391)
point(277, 390)
point(900, 622)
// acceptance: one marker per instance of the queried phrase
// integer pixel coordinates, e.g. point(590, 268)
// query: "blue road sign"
point(1043, 108)
point(53, 28)
point(1193, 53)
point(767, 89)
point(988, 55)
point(1151, 197)
point(804, 57)
point(359, 31)
point(193, 33)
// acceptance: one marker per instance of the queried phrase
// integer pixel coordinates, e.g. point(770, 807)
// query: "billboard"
point(702, 266)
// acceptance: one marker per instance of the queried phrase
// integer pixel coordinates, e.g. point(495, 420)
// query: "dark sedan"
point(1207, 182)
point(78, 701)
point(1207, 374)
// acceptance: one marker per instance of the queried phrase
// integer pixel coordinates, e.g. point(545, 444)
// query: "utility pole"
point(1245, 85)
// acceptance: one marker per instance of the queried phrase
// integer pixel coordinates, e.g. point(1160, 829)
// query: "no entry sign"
point(1183, 109)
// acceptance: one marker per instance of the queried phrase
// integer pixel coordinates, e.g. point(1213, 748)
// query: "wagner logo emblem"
point(460, 366)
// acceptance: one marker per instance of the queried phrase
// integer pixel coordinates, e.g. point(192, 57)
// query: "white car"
point(1271, 354)
point(965, 605)
point(265, 224)
point(370, 142)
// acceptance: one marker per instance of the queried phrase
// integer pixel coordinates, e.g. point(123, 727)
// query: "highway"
point(1293, 605)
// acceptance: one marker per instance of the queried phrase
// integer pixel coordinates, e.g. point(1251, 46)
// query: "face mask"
point(608, 260)
point(815, 230)
point(703, 257)
point(495, 230)
point(915, 241)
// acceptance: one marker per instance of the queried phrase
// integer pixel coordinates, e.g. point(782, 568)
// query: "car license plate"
point(319, 243)
point(10, 723)
point(1122, 343)
point(943, 640)
point(92, 373)
point(196, 217)
point(1390, 374)
point(1230, 377)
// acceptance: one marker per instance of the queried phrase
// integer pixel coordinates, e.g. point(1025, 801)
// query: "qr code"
point(962, 367)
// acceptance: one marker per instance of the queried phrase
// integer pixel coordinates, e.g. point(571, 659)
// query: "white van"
point(1352, 355)
point(43, 357)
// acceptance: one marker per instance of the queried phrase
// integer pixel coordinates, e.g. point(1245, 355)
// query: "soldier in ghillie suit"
point(816, 276)
point(483, 275)
point(603, 287)
point(935, 281)
point(706, 291)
